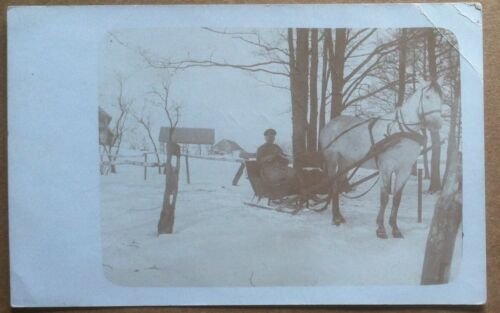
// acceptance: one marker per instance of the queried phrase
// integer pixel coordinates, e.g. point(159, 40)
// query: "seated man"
point(273, 162)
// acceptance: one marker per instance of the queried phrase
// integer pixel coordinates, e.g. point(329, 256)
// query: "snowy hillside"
point(219, 241)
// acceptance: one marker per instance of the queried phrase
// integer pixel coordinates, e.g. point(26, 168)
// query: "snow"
point(219, 241)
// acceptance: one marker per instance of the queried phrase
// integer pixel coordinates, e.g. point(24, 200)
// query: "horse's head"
point(429, 106)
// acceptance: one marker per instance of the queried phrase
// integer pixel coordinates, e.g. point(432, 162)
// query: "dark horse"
point(346, 140)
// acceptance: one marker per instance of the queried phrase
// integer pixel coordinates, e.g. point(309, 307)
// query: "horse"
point(346, 140)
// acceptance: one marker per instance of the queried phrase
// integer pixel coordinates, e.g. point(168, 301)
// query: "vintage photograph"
point(276, 157)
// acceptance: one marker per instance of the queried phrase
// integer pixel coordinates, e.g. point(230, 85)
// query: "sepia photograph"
point(246, 155)
point(237, 157)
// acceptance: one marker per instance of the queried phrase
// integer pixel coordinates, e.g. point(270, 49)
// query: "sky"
point(237, 104)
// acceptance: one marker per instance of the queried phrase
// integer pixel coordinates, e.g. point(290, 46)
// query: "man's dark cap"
point(270, 132)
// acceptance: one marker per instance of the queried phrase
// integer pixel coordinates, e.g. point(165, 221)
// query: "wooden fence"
point(146, 164)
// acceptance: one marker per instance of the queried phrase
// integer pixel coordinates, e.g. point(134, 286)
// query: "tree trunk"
point(444, 228)
point(151, 139)
point(435, 137)
point(424, 65)
point(426, 158)
point(293, 92)
point(453, 140)
point(337, 64)
point(167, 216)
point(402, 79)
point(435, 162)
point(402, 68)
point(431, 48)
point(312, 130)
point(300, 93)
point(327, 35)
point(414, 70)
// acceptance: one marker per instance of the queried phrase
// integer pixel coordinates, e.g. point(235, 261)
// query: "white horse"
point(346, 140)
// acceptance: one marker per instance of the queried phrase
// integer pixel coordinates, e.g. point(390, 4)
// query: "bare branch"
point(145, 121)
point(186, 64)
point(262, 45)
point(370, 93)
point(380, 51)
point(352, 86)
point(360, 42)
point(224, 32)
point(350, 39)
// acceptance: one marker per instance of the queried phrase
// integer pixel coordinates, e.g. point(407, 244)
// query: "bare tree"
point(172, 112)
point(337, 64)
point(325, 76)
point(119, 128)
point(312, 130)
point(447, 216)
point(402, 68)
point(449, 70)
point(167, 216)
point(435, 184)
point(144, 120)
point(300, 77)
point(444, 227)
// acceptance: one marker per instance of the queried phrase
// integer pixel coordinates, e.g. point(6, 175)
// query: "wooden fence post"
point(419, 206)
point(187, 170)
point(237, 177)
point(145, 166)
point(167, 216)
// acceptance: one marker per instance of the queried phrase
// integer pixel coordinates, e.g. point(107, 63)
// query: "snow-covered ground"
point(219, 241)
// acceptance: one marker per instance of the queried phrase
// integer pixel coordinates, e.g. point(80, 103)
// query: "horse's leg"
point(384, 198)
point(337, 216)
point(338, 187)
point(399, 184)
point(332, 170)
point(396, 200)
point(344, 184)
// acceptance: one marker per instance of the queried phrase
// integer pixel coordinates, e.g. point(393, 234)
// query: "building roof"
point(189, 135)
point(227, 145)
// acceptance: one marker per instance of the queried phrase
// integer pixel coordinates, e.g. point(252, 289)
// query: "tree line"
point(357, 66)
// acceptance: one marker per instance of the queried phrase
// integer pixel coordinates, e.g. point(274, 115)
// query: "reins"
point(345, 194)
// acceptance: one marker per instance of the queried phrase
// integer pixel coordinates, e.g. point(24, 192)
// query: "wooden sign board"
point(202, 136)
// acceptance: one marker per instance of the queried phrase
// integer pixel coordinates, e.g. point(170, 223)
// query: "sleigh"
point(313, 193)
point(286, 196)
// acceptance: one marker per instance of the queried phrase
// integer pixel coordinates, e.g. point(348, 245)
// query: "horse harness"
point(405, 130)
point(389, 140)
point(378, 147)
